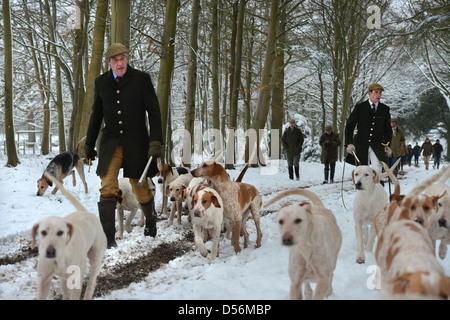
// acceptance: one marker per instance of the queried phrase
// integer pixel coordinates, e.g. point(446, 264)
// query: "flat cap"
point(115, 49)
point(292, 120)
point(328, 128)
point(375, 86)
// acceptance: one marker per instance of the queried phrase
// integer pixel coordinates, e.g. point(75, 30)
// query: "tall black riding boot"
point(297, 172)
point(325, 174)
point(332, 175)
point(107, 214)
point(291, 173)
point(150, 218)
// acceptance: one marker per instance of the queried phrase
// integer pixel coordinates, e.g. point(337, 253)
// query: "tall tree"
point(166, 68)
point(98, 44)
point(13, 159)
point(192, 76)
point(263, 104)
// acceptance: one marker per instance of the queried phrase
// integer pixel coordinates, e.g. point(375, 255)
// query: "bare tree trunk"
point(94, 67)
point(166, 66)
point(13, 159)
point(278, 82)
point(192, 76)
point(215, 64)
point(120, 22)
point(262, 107)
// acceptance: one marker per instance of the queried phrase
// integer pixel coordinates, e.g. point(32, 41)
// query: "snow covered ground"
point(254, 274)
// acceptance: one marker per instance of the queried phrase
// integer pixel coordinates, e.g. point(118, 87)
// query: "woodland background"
point(229, 64)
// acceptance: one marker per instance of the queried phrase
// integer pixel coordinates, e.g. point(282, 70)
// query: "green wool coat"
point(123, 107)
point(372, 130)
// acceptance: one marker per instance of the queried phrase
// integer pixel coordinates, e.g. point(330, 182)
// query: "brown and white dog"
point(60, 167)
point(314, 240)
point(67, 243)
point(439, 226)
point(166, 175)
point(207, 213)
point(239, 199)
point(422, 207)
point(409, 268)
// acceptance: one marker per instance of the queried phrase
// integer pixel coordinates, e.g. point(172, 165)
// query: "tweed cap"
point(115, 49)
point(375, 86)
point(292, 120)
point(394, 120)
point(328, 128)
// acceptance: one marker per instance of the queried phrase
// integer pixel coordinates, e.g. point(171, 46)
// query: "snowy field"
point(253, 274)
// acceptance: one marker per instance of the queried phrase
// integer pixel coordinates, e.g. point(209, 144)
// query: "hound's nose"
point(37, 193)
point(442, 223)
point(287, 239)
point(358, 185)
point(197, 213)
point(51, 252)
point(172, 199)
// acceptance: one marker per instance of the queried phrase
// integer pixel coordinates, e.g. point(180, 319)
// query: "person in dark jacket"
point(409, 154)
point(416, 153)
point(437, 150)
point(292, 141)
point(427, 150)
point(330, 142)
point(372, 119)
point(123, 98)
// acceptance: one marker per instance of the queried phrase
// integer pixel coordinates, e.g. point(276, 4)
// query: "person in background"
point(409, 154)
point(427, 150)
point(437, 150)
point(330, 142)
point(372, 119)
point(398, 146)
point(292, 141)
point(416, 154)
point(124, 96)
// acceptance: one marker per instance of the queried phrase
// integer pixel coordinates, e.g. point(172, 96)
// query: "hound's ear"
point(353, 176)
point(70, 230)
point(307, 206)
point(50, 183)
point(376, 177)
point(33, 235)
point(215, 202)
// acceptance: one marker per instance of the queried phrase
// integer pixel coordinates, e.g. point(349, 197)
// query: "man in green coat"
point(292, 141)
point(123, 98)
point(372, 119)
point(329, 142)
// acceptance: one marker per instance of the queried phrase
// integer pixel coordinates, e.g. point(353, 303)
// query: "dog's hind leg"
point(80, 170)
point(74, 181)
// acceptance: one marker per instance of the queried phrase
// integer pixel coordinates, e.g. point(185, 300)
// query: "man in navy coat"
point(124, 99)
point(372, 119)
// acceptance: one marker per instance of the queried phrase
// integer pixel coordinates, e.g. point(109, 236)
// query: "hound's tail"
point(393, 178)
point(68, 195)
point(300, 192)
point(444, 172)
point(78, 144)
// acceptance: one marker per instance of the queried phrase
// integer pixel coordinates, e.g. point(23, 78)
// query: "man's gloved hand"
point(388, 151)
point(154, 150)
point(90, 152)
point(350, 148)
